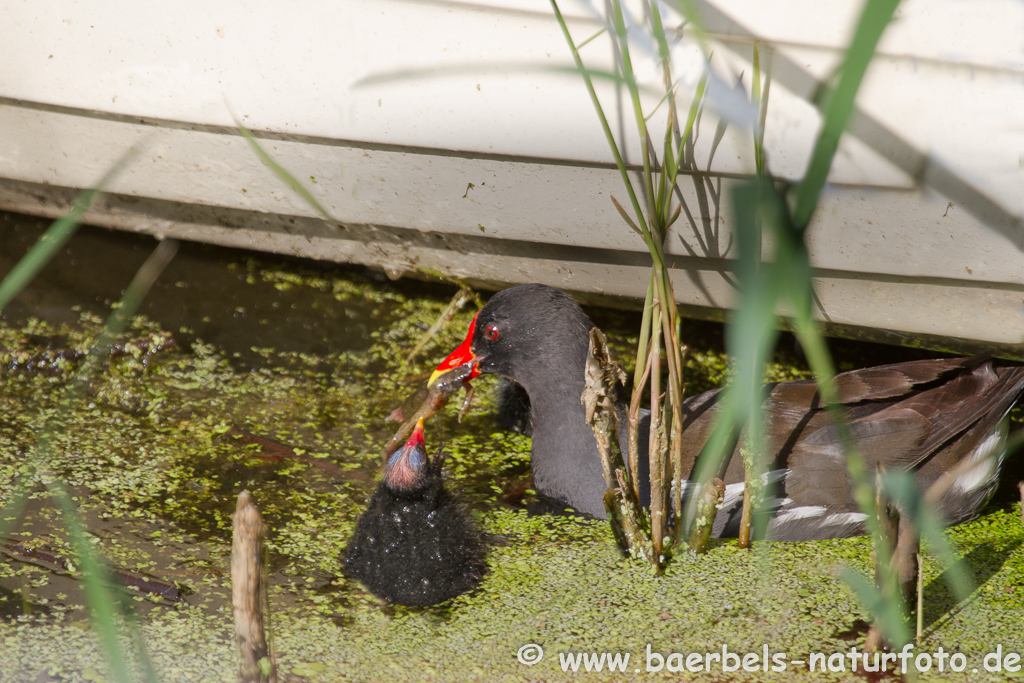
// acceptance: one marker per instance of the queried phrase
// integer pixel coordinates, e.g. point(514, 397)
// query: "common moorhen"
point(925, 416)
point(415, 544)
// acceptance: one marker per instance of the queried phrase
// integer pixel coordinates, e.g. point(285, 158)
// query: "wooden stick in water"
point(1020, 485)
point(446, 386)
point(248, 582)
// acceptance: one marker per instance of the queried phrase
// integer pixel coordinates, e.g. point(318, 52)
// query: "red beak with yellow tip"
point(460, 356)
point(416, 438)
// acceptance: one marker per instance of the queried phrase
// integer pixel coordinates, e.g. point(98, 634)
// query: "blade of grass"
point(792, 264)
point(625, 217)
point(886, 612)
point(753, 331)
point(49, 243)
point(283, 174)
point(687, 131)
point(875, 16)
point(104, 606)
point(626, 65)
point(57, 234)
point(760, 100)
point(609, 136)
point(750, 337)
point(659, 335)
point(920, 507)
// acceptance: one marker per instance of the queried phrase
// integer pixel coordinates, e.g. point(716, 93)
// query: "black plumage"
point(514, 407)
point(415, 543)
point(924, 416)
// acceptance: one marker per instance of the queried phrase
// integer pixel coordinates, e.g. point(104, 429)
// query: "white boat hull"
point(494, 169)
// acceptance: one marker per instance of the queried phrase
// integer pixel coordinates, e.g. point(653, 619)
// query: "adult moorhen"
point(924, 416)
point(415, 544)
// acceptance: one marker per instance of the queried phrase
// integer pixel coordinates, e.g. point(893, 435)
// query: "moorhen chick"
point(415, 544)
point(925, 416)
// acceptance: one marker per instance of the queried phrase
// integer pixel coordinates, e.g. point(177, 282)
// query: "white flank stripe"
point(803, 512)
point(733, 495)
point(843, 518)
point(984, 462)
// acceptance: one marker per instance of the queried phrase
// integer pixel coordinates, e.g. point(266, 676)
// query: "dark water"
point(203, 294)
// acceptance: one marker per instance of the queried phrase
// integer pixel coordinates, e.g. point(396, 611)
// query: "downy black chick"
point(415, 544)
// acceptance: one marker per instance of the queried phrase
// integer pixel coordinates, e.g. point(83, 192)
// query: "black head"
point(530, 333)
point(538, 337)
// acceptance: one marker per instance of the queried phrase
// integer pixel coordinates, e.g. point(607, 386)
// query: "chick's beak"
point(461, 356)
point(416, 438)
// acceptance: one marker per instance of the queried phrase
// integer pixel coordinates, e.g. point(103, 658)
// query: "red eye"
point(491, 332)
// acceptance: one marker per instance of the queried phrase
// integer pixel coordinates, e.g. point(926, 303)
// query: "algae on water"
point(168, 434)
